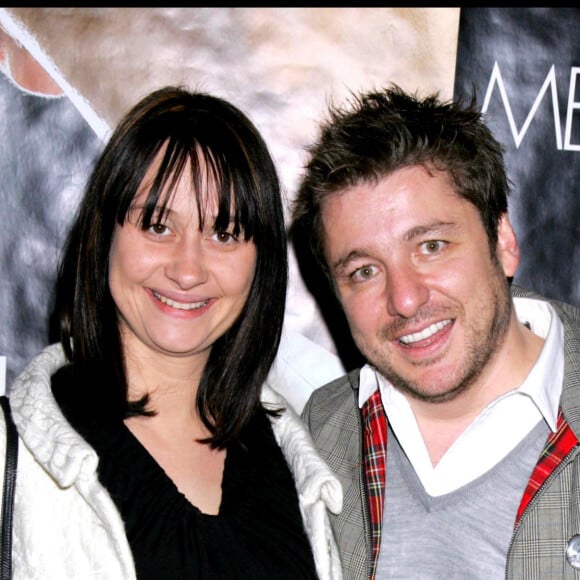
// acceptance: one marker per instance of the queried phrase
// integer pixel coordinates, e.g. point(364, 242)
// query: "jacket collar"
point(46, 433)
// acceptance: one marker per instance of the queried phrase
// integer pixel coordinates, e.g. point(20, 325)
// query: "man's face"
point(427, 303)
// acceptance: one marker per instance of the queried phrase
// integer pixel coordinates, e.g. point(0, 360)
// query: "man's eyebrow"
point(343, 261)
point(431, 228)
point(435, 227)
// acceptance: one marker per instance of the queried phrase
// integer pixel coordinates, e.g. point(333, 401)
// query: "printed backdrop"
point(70, 73)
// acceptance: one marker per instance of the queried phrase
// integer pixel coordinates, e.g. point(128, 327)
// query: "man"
point(457, 444)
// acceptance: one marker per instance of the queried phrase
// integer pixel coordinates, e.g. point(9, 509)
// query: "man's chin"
point(430, 390)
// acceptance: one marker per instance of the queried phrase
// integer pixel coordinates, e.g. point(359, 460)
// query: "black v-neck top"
point(257, 534)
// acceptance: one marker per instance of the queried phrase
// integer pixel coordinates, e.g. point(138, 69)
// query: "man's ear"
point(508, 250)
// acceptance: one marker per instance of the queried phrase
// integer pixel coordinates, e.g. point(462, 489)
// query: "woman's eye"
point(158, 229)
point(224, 237)
point(432, 246)
point(363, 273)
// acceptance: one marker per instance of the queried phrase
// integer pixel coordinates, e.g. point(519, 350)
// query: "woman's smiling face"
point(177, 286)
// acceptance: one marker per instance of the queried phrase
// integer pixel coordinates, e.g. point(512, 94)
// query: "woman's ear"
point(508, 250)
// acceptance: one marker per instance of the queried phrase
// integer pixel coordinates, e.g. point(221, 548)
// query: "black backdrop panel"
point(531, 54)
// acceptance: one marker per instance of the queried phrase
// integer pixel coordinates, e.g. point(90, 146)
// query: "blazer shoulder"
point(568, 313)
point(337, 397)
point(337, 389)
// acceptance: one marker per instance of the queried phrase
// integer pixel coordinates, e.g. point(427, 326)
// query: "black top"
point(257, 534)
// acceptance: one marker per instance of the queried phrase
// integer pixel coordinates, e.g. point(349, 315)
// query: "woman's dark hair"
point(207, 131)
point(381, 131)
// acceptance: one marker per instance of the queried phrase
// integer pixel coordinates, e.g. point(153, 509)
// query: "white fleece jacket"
point(66, 526)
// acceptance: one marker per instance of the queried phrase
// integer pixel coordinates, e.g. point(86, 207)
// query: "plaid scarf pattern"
point(375, 468)
point(558, 445)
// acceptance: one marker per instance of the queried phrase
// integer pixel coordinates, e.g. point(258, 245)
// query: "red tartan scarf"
point(558, 445)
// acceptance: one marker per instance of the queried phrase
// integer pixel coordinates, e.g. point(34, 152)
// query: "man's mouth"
point(426, 333)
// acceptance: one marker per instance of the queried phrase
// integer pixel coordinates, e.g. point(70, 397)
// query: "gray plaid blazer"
point(538, 548)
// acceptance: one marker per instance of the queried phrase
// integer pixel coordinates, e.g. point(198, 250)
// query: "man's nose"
point(406, 291)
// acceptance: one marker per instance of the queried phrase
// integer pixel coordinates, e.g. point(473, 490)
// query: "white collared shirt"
point(495, 432)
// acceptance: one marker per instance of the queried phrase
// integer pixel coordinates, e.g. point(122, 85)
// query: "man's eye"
point(432, 246)
point(363, 273)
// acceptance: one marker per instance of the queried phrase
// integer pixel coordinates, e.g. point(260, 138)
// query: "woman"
point(150, 446)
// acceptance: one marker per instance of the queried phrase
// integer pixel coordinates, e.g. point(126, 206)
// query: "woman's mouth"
point(179, 305)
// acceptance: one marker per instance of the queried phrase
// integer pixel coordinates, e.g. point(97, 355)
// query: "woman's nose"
point(187, 264)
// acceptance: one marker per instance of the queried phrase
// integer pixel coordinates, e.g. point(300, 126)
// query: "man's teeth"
point(179, 305)
point(425, 333)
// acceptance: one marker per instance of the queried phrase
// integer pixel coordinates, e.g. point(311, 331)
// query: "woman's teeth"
point(180, 305)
